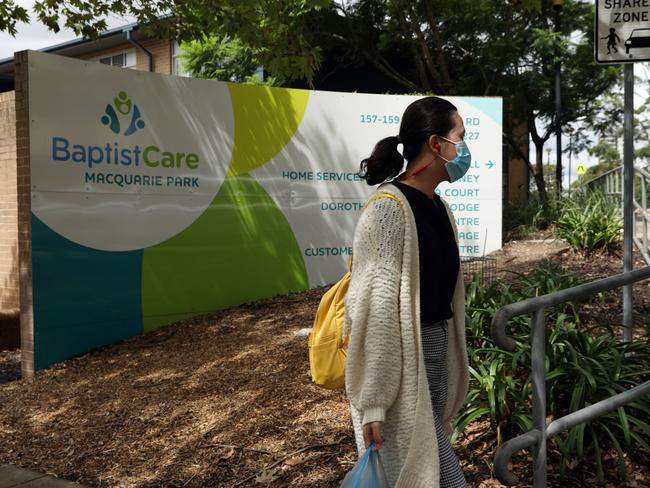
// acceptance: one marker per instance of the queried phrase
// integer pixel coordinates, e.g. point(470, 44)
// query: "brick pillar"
point(9, 287)
point(24, 213)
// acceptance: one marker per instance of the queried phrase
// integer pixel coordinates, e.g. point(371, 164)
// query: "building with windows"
point(125, 46)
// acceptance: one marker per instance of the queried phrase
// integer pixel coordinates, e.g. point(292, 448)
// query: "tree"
point(492, 48)
point(603, 132)
point(224, 59)
point(455, 47)
point(278, 31)
point(489, 48)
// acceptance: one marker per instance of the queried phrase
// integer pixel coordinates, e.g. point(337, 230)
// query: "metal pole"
point(570, 151)
point(644, 209)
point(547, 173)
point(558, 111)
point(538, 355)
point(628, 194)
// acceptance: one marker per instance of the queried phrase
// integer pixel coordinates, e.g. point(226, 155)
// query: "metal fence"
point(537, 437)
point(612, 184)
point(482, 269)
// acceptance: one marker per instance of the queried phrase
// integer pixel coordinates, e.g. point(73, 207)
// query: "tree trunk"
point(539, 158)
point(539, 170)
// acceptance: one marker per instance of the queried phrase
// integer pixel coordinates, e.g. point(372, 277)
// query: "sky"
point(36, 36)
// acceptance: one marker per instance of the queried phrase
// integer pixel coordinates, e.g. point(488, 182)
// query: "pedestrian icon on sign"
point(622, 31)
point(581, 169)
point(611, 41)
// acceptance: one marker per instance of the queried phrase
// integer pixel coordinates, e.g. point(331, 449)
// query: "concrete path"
point(11, 476)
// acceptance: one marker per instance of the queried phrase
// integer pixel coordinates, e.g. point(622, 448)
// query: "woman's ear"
point(434, 144)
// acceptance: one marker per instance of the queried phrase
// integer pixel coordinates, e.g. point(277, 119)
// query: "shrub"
point(590, 221)
point(521, 219)
point(602, 367)
point(582, 369)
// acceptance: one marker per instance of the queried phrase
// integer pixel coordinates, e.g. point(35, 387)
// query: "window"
point(177, 61)
point(124, 59)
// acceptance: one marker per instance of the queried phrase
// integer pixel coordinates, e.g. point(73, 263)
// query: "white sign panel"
point(122, 170)
point(316, 185)
point(155, 198)
point(125, 160)
point(622, 31)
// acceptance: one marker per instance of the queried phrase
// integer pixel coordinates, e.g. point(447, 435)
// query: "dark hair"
point(421, 119)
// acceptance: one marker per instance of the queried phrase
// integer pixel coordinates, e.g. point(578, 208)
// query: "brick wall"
point(24, 214)
point(9, 288)
point(162, 56)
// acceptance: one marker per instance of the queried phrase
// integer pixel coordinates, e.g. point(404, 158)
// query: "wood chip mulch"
point(223, 400)
point(9, 366)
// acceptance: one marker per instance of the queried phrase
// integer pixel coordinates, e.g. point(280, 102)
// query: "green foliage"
point(606, 122)
point(280, 33)
point(600, 365)
point(582, 368)
point(589, 221)
point(521, 219)
point(223, 59)
point(608, 155)
point(10, 13)
point(504, 48)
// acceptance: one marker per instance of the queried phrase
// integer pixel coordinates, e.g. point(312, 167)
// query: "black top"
point(439, 257)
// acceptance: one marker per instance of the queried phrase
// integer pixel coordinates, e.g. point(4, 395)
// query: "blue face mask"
point(461, 163)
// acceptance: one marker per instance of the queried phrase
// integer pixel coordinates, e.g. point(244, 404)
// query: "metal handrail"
point(602, 176)
point(612, 181)
point(541, 432)
point(637, 169)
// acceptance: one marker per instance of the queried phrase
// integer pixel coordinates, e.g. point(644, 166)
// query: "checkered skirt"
point(434, 345)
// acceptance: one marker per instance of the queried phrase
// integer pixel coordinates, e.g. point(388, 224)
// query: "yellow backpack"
point(327, 347)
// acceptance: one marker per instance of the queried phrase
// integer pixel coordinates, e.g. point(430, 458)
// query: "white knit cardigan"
point(385, 376)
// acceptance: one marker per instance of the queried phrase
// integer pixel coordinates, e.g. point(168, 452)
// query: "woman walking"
point(406, 369)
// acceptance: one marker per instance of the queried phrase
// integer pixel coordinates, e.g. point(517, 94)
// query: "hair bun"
point(384, 163)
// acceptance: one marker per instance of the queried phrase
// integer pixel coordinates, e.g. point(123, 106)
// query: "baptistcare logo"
point(123, 105)
point(116, 169)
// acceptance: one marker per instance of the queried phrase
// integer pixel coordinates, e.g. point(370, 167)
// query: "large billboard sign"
point(155, 198)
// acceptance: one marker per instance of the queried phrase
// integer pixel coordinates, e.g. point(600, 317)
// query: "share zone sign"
point(622, 31)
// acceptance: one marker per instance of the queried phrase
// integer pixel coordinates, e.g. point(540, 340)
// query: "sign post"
point(628, 193)
point(623, 36)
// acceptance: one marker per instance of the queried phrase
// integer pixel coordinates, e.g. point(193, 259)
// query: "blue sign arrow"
point(490, 163)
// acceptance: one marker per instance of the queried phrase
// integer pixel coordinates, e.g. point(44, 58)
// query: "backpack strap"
point(383, 195)
point(378, 196)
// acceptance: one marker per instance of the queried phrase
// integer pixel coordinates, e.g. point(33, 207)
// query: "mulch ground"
point(225, 400)
point(9, 366)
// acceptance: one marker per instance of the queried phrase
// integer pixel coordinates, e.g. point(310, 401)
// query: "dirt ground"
point(225, 400)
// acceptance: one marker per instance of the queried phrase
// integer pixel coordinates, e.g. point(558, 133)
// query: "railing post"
point(538, 355)
point(644, 210)
point(620, 183)
point(609, 183)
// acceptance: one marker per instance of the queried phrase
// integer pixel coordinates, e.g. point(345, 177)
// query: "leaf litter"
point(225, 400)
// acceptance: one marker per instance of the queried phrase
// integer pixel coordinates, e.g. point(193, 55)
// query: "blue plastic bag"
point(368, 473)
